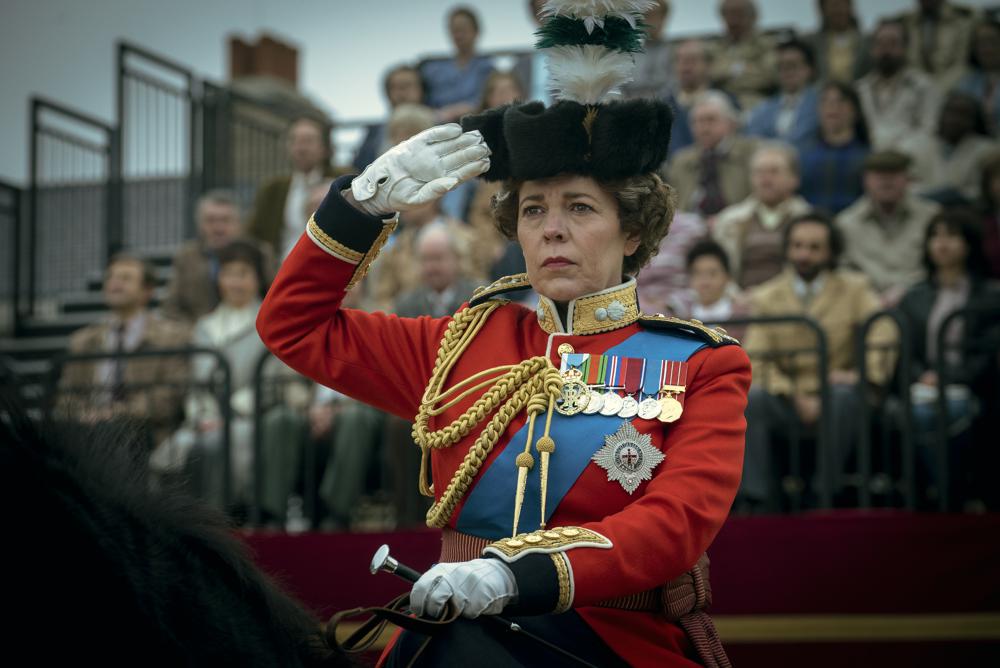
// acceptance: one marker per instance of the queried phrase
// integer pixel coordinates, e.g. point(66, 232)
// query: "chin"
point(561, 289)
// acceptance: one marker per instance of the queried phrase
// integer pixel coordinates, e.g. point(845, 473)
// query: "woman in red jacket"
point(582, 456)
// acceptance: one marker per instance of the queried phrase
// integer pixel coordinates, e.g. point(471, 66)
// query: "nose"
point(554, 227)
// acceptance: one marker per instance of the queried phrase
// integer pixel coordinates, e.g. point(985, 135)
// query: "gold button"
point(513, 542)
point(551, 535)
point(569, 533)
point(564, 349)
point(533, 539)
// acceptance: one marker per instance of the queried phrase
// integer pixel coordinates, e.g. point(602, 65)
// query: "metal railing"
point(795, 485)
point(901, 419)
point(72, 224)
point(10, 258)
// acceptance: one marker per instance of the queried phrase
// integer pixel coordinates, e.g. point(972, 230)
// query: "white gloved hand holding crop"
point(421, 169)
point(477, 587)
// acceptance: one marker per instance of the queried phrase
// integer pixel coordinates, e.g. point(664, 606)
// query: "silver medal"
point(649, 408)
point(630, 407)
point(612, 403)
point(596, 403)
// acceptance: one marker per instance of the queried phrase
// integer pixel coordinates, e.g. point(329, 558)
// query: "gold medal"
point(670, 409)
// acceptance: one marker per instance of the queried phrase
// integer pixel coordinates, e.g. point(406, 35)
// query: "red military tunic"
point(656, 533)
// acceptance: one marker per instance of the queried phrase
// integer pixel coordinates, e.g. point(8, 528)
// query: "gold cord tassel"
point(546, 446)
point(525, 462)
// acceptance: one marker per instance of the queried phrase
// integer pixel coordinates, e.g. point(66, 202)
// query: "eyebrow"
point(539, 197)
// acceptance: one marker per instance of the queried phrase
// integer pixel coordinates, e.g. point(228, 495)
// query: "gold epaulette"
point(713, 336)
point(499, 287)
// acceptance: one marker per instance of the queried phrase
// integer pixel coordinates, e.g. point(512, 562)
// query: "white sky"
point(64, 49)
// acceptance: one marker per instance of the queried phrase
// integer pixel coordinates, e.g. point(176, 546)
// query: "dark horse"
point(99, 568)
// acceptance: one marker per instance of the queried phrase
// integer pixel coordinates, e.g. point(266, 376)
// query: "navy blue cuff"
point(343, 223)
point(537, 585)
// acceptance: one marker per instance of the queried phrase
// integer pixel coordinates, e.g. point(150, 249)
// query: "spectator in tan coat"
point(148, 390)
point(940, 39)
point(751, 231)
point(192, 291)
point(743, 60)
point(787, 387)
point(884, 230)
point(711, 173)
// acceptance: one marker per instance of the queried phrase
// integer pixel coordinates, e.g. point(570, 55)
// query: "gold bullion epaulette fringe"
point(499, 287)
point(714, 336)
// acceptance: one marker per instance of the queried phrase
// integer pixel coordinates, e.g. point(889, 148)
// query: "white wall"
point(64, 49)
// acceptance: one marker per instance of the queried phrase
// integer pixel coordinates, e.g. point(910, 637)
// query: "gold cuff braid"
point(565, 601)
point(546, 541)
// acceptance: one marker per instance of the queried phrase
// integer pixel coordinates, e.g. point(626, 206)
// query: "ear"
point(632, 245)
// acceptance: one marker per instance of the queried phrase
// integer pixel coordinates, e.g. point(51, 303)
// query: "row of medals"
point(578, 397)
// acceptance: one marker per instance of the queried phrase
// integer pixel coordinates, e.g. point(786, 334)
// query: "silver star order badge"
point(628, 456)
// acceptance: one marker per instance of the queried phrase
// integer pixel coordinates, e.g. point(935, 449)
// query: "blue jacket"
point(764, 117)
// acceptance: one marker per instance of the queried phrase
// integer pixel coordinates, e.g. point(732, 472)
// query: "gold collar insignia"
point(603, 311)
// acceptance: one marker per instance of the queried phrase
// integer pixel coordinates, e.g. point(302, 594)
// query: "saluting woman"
point(581, 456)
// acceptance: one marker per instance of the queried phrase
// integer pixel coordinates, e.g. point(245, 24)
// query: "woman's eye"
point(580, 207)
point(531, 210)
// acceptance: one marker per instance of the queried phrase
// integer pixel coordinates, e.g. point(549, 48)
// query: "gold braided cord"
point(508, 394)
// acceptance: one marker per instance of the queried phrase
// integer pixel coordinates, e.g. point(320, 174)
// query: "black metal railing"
point(72, 220)
point(158, 156)
point(10, 233)
point(883, 413)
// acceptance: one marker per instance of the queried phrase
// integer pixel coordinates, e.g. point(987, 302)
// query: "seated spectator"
point(833, 161)
point(743, 60)
point(440, 292)
point(948, 165)
point(713, 298)
point(147, 390)
point(955, 280)
point(397, 270)
point(231, 329)
point(653, 70)
point(278, 205)
point(690, 81)
point(403, 85)
point(790, 115)
point(663, 282)
point(712, 173)
point(191, 292)
point(989, 204)
point(940, 36)
point(898, 101)
point(455, 84)
point(884, 230)
point(751, 231)
point(982, 78)
point(501, 88)
point(840, 47)
point(786, 387)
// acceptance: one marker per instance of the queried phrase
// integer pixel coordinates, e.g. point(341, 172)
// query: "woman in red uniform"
point(582, 455)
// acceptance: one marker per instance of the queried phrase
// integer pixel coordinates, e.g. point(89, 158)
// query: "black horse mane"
point(100, 567)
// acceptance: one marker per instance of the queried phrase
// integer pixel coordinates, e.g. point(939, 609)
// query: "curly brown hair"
point(645, 209)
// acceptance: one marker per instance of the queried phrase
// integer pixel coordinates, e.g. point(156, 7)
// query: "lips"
point(557, 262)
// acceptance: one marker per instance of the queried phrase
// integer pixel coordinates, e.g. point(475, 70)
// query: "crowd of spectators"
point(830, 175)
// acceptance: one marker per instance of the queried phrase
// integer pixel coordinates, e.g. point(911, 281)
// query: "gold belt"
point(691, 592)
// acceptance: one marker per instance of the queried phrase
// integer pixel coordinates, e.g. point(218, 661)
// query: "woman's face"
point(947, 249)
point(463, 33)
point(835, 111)
point(238, 284)
point(708, 279)
point(571, 236)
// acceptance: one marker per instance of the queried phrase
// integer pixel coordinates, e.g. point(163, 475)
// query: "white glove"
point(420, 169)
point(477, 587)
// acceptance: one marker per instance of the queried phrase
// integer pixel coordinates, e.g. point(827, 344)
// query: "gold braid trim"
point(565, 601)
point(508, 394)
